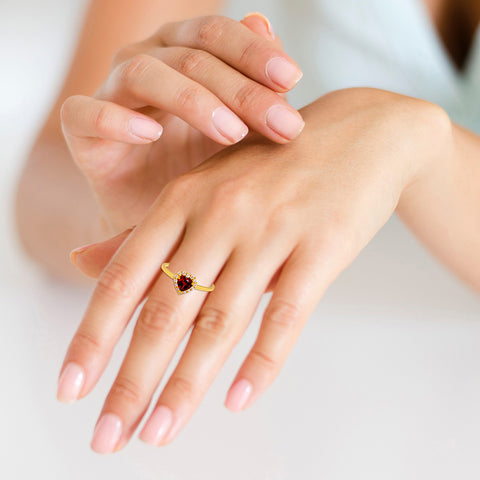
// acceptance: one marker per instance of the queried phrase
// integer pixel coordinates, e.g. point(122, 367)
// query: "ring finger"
point(163, 322)
point(220, 324)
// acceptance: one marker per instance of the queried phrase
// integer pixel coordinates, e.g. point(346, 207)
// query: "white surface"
point(383, 384)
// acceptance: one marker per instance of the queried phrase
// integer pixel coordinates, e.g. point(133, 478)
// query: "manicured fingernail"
point(78, 251)
point(157, 425)
point(283, 73)
point(238, 395)
point(70, 383)
point(228, 124)
point(107, 433)
point(145, 129)
point(264, 19)
point(284, 121)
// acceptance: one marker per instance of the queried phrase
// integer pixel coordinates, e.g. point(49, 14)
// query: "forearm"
point(442, 208)
point(55, 209)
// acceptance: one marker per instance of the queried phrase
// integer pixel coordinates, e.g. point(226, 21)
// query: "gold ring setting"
point(185, 282)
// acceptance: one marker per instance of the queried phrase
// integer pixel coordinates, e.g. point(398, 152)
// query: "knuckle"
point(264, 361)
point(211, 30)
point(158, 318)
point(284, 314)
point(192, 61)
point(231, 197)
point(121, 55)
point(184, 387)
point(101, 119)
point(116, 281)
point(247, 96)
point(134, 70)
point(250, 51)
point(180, 188)
point(188, 98)
point(335, 238)
point(213, 322)
point(86, 342)
point(281, 218)
point(126, 390)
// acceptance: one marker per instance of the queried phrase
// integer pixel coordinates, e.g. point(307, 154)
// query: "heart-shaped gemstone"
point(184, 282)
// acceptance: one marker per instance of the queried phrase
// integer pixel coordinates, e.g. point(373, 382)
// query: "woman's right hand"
point(202, 82)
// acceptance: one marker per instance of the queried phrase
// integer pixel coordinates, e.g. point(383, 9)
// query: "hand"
point(256, 214)
point(204, 80)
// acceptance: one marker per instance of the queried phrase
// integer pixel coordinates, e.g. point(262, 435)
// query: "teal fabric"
point(391, 44)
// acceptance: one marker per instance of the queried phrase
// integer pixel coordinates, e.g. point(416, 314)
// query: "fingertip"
point(77, 251)
point(238, 395)
point(260, 24)
point(230, 127)
point(145, 129)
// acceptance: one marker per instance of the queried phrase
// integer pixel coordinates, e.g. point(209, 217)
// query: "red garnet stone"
point(184, 283)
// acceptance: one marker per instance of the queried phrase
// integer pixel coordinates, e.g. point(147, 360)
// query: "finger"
point(84, 116)
point(93, 258)
point(259, 24)
point(235, 44)
point(302, 282)
point(119, 290)
point(163, 322)
point(145, 81)
point(258, 106)
point(221, 322)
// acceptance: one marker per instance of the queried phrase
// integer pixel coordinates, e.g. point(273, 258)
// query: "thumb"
point(93, 258)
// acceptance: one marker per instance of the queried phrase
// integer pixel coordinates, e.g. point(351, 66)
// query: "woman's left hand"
point(254, 217)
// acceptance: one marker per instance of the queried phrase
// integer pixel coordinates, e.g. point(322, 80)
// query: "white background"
point(384, 382)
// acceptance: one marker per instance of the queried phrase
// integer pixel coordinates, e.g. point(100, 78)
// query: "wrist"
point(435, 138)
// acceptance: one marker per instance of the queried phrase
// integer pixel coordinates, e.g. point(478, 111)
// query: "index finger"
point(234, 43)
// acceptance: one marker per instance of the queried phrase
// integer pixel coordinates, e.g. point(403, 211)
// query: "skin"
point(363, 155)
point(180, 77)
point(322, 201)
point(55, 208)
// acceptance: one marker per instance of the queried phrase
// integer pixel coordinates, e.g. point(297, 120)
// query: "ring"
point(185, 282)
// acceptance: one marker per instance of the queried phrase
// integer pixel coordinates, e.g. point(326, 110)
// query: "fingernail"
point(284, 121)
point(157, 425)
point(238, 395)
point(145, 129)
point(283, 73)
point(107, 433)
point(265, 20)
point(79, 250)
point(70, 383)
point(228, 124)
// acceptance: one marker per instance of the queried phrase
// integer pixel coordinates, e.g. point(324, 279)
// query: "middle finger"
point(262, 60)
point(258, 106)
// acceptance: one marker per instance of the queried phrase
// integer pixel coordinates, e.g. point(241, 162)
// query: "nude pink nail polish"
point(265, 20)
point(228, 124)
point(107, 433)
point(284, 121)
point(238, 395)
point(145, 129)
point(70, 383)
point(157, 425)
point(283, 73)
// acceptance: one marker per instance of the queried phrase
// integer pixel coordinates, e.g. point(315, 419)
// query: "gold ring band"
point(185, 282)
